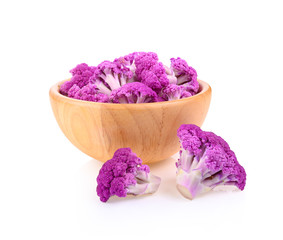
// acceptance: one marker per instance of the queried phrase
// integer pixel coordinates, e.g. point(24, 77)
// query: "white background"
point(48, 186)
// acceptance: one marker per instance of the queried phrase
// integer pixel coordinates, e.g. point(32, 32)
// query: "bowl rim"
point(54, 92)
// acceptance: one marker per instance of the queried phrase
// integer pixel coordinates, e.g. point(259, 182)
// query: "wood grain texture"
point(149, 129)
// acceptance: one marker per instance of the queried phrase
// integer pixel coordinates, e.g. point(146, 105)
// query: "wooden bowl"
point(149, 129)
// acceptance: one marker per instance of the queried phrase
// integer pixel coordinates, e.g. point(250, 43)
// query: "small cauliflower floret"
point(81, 68)
point(81, 77)
point(206, 162)
point(174, 92)
point(126, 76)
point(73, 91)
point(144, 61)
point(135, 92)
point(110, 76)
point(155, 78)
point(127, 61)
point(108, 72)
point(124, 175)
point(185, 74)
point(151, 72)
point(170, 75)
point(87, 93)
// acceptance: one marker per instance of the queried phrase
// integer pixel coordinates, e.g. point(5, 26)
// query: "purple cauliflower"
point(174, 92)
point(185, 74)
point(108, 79)
point(81, 68)
point(135, 92)
point(127, 64)
point(151, 72)
point(206, 162)
point(144, 61)
point(155, 78)
point(170, 75)
point(109, 76)
point(81, 77)
point(126, 76)
point(124, 175)
point(87, 93)
point(127, 61)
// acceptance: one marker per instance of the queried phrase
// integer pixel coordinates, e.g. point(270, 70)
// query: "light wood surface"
point(149, 129)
